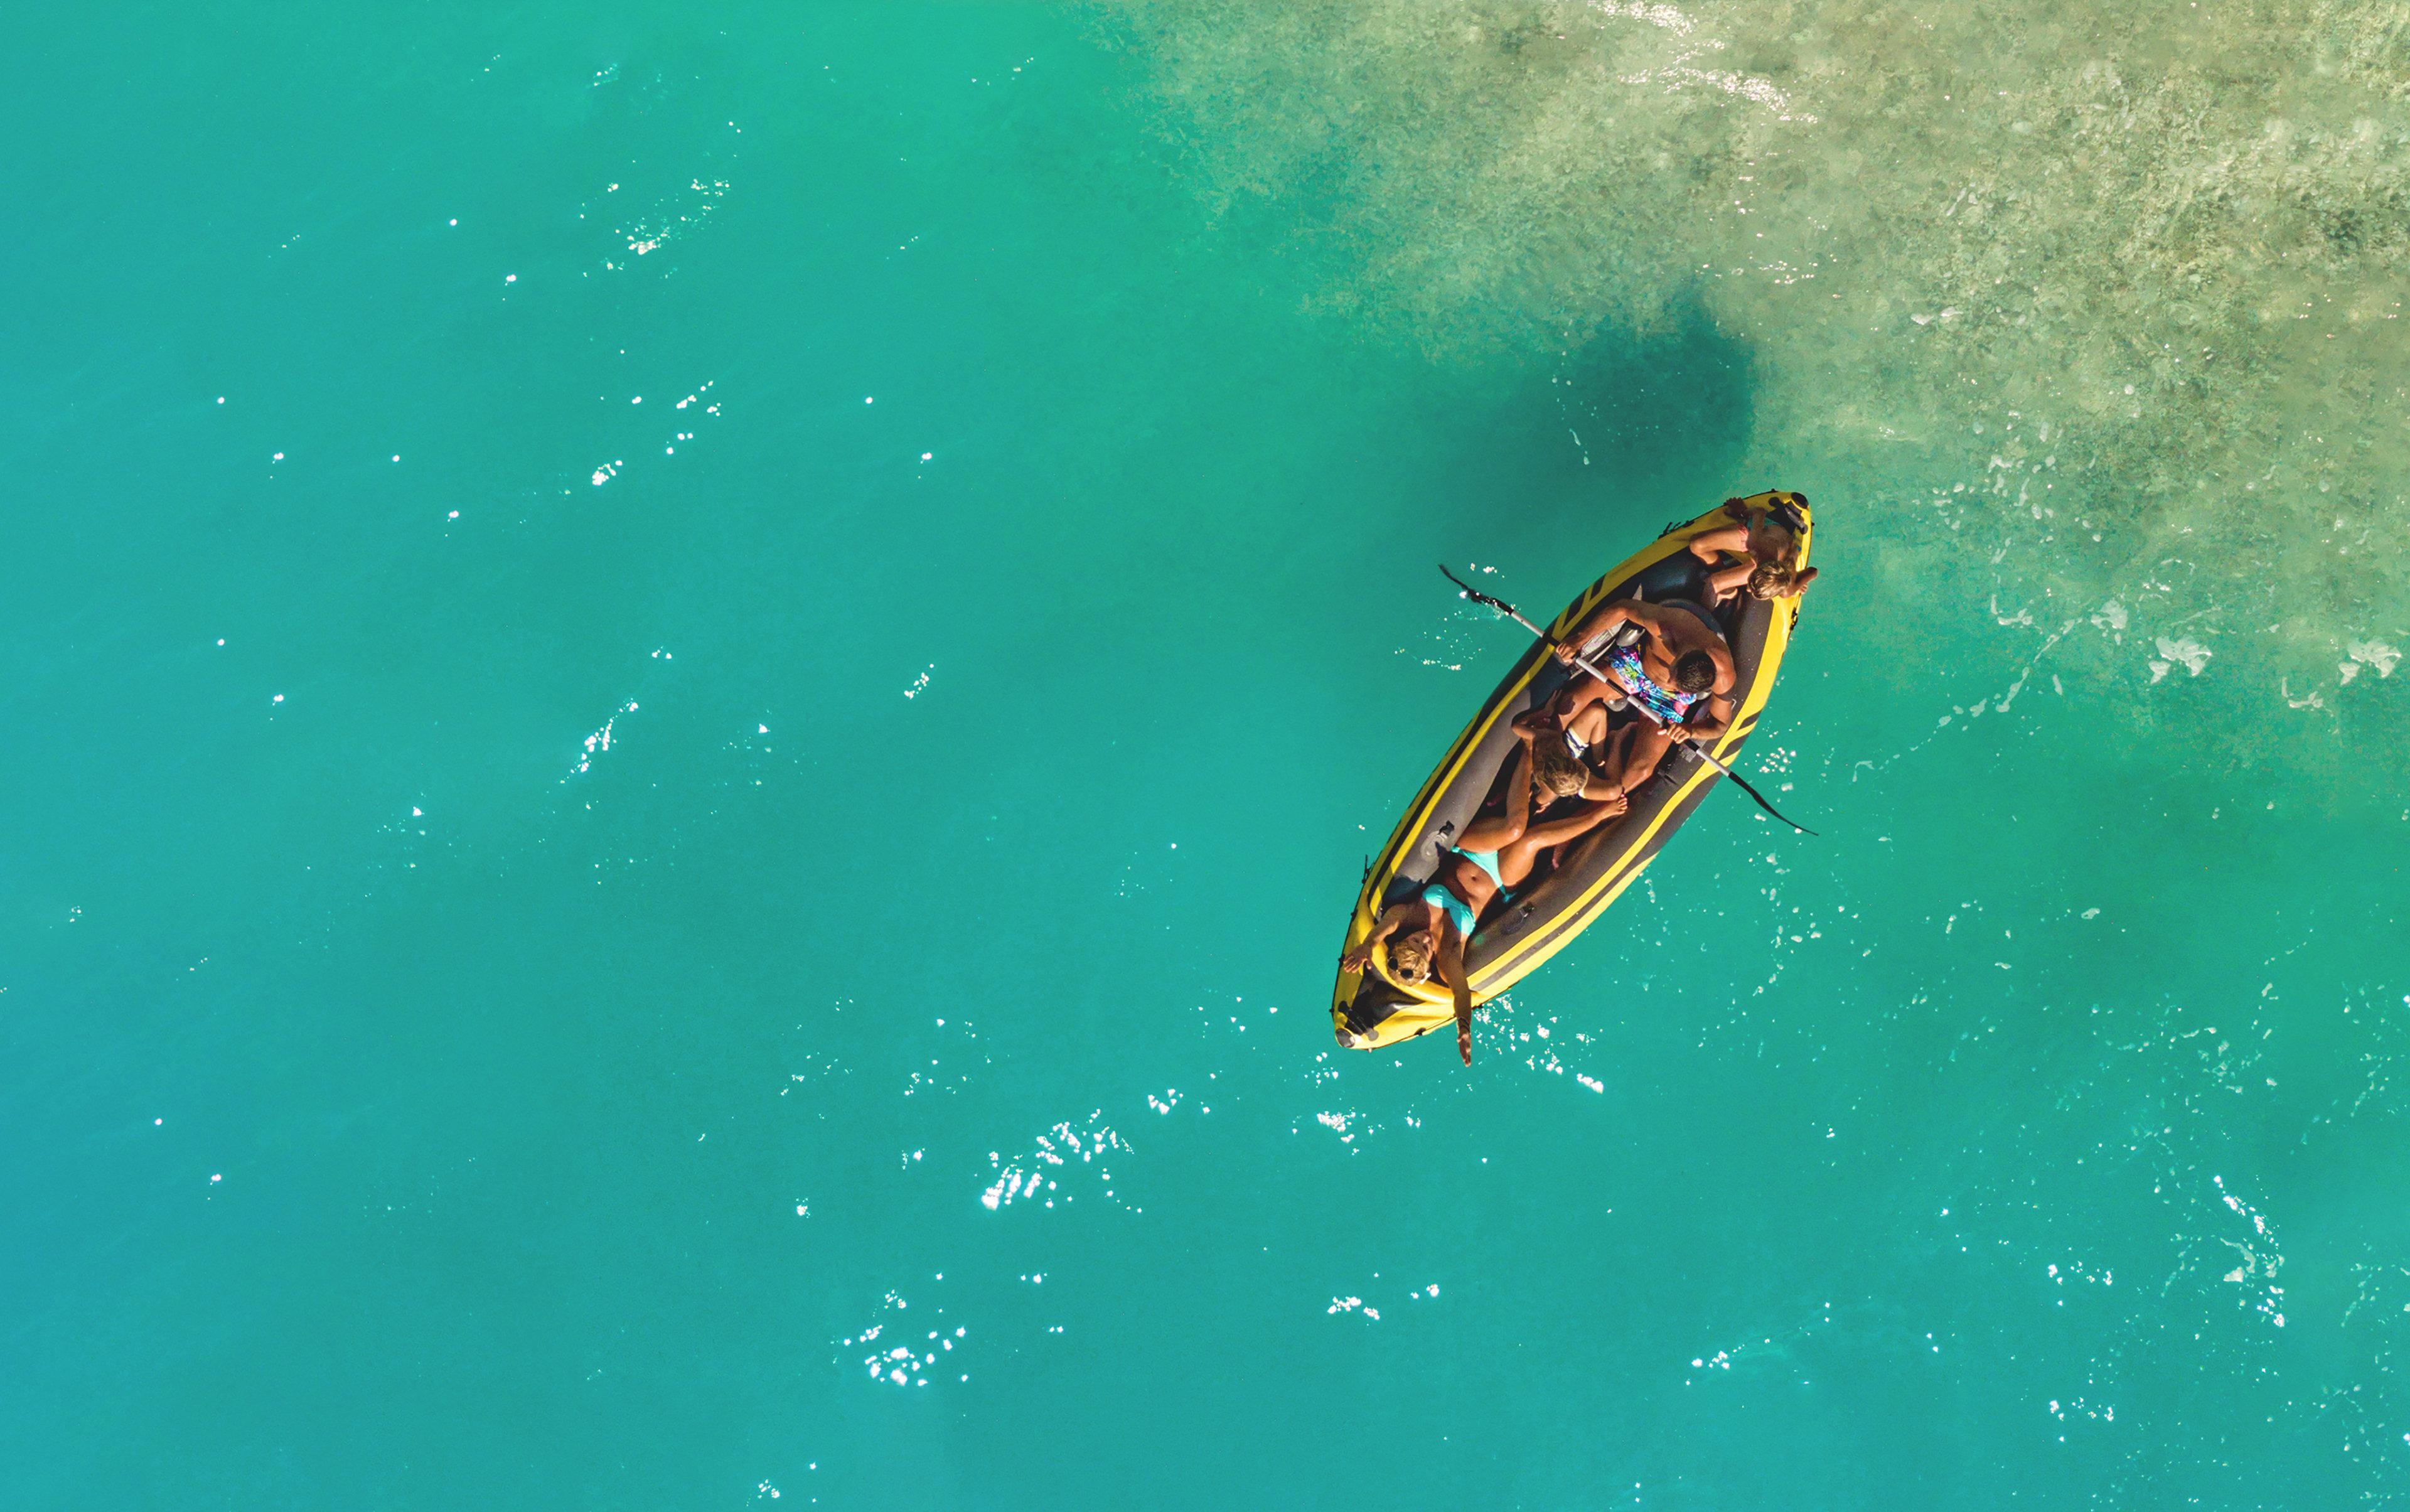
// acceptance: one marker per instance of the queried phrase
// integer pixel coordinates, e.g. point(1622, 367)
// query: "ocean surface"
point(692, 698)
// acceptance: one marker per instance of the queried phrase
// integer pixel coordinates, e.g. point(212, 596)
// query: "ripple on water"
point(2160, 247)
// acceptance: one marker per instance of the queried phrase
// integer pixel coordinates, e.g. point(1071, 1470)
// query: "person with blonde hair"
point(1767, 543)
point(1426, 933)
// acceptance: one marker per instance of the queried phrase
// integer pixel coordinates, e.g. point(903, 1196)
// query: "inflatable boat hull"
point(1515, 936)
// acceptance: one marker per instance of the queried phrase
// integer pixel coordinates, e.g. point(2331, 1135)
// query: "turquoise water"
point(653, 660)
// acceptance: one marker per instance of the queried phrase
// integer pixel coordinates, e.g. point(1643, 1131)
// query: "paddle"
point(1586, 665)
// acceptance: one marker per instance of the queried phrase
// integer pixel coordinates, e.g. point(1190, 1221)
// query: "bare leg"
point(1578, 694)
point(1490, 834)
point(1588, 724)
point(1515, 862)
point(1709, 546)
point(1614, 754)
point(1649, 743)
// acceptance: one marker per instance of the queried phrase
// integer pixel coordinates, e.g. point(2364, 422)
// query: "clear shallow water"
point(524, 1064)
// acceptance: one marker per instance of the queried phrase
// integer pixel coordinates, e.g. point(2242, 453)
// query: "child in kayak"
point(1491, 857)
point(1767, 543)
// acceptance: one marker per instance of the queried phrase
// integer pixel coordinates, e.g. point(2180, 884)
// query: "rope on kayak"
point(1586, 665)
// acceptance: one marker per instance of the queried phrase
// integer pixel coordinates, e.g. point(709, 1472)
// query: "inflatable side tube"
point(1515, 936)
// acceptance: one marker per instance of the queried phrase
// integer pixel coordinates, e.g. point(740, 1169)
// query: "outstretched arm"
point(1451, 971)
point(1397, 914)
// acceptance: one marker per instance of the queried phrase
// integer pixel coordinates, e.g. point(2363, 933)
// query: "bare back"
point(1675, 633)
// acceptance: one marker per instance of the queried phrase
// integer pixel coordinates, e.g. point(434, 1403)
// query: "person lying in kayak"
point(1579, 713)
point(1678, 676)
point(1767, 543)
point(1491, 857)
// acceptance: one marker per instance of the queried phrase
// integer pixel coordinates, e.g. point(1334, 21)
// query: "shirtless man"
point(1679, 676)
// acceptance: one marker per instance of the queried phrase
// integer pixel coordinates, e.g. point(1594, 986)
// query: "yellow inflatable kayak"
point(1516, 934)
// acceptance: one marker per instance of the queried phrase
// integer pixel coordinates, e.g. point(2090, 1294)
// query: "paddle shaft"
point(1594, 670)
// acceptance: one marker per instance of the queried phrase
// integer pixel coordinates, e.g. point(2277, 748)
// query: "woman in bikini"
point(1767, 542)
point(1491, 857)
